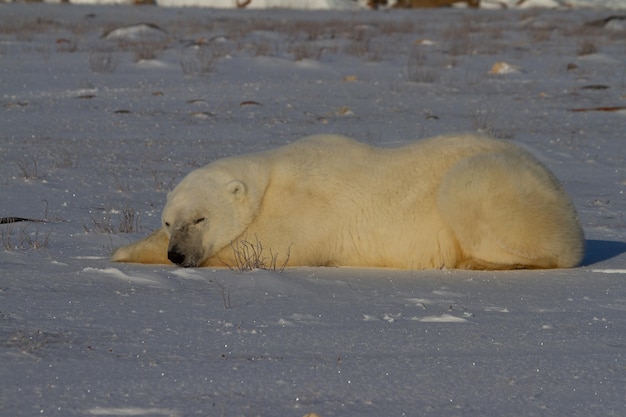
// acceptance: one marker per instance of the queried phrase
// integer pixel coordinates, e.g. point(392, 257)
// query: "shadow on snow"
point(601, 250)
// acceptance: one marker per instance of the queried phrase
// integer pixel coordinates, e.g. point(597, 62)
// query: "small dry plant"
point(305, 50)
point(146, 51)
point(65, 159)
point(103, 61)
point(587, 48)
point(249, 256)
point(29, 169)
point(225, 291)
point(128, 222)
point(23, 239)
point(485, 123)
point(200, 59)
point(418, 71)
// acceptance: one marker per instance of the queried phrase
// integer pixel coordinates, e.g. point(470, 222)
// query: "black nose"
point(174, 256)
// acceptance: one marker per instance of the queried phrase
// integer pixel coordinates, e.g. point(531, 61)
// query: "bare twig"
point(225, 294)
point(248, 256)
point(23, 239)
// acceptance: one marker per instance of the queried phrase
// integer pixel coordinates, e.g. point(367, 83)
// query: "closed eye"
point(167, 224)
point(199, 220)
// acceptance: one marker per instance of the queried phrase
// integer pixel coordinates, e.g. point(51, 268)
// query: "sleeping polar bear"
point(462, 201)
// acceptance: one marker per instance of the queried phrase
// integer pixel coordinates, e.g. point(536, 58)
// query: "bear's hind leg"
point(149, 250)
point(507, 211)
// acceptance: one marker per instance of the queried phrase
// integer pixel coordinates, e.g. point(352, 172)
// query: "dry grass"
point(21, 238)
point(484, 122)
point(417, 69)
point(65, 159)
point(145, 51)
point(225, 291)
point(127, 222)
point(200, 59)
point(103, 61)
point(29, 169)
point(586, 47)
point(305, 50)
point(162, 184)
point(248, 256)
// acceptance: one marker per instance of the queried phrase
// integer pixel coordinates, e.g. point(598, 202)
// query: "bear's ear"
point(236, 188)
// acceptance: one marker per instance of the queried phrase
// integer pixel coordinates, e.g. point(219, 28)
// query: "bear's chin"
point(190, 264)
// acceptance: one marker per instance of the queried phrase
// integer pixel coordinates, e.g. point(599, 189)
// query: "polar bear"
point(460, 201)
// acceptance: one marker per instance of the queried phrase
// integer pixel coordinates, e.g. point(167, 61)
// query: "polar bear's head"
point(207, 211)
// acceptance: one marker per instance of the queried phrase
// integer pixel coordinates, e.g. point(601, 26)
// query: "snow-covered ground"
point(104, 109)
point(360, 4)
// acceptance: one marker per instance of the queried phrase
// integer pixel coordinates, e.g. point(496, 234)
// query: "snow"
point(264, 4)
point(96, 129)
point(361, 4)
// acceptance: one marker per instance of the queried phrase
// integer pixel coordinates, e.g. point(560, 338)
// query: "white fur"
point(462, 201)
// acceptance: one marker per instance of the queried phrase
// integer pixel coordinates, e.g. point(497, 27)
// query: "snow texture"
point(356, 4)
point(104, 109)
